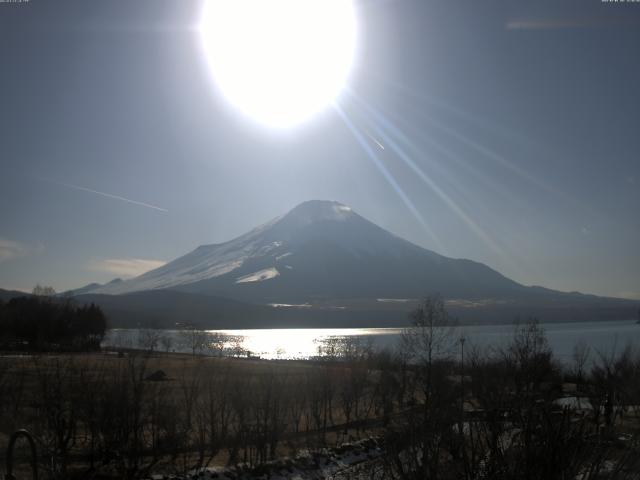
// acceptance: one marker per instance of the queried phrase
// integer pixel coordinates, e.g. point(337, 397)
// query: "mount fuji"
point(324, 257)
point(320, 250)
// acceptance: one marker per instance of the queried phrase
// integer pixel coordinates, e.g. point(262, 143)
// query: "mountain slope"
point(6, 295)
point(92, 287)
point(320, 250)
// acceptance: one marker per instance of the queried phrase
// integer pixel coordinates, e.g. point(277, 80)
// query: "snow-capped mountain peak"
point(319, 211)
point(319, 249)
point(211, 261)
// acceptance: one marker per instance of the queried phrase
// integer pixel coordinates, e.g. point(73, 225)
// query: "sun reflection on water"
point(289, 343)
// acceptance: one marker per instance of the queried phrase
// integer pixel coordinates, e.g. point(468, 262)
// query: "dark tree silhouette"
point(48, 323)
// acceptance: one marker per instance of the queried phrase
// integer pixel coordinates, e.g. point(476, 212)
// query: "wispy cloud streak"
point(10, 250)
point(565, 23)
point(107, 195)
point(125, 267)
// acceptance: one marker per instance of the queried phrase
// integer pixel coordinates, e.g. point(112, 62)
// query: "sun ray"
point(393, 136)
point(455, 208)
point(402, 137)
point(372, 155)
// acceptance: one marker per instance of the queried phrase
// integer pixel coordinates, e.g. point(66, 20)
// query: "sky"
point(507, 132)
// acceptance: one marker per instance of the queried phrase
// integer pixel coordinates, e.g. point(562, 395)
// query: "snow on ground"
point(259, 276)
point(578, 403)
point(331, 463)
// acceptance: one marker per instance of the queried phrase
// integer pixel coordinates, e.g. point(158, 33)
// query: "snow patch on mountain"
point(203, 263)
point(395, 300)
point(259, 276)
point(290, 305)
point(315, 211)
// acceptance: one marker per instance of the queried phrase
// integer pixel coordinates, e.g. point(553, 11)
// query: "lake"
point(303, 343)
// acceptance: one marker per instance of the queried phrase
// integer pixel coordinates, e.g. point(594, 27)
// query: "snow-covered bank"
point(327, 463)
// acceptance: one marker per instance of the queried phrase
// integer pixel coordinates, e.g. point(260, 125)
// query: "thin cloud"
point(108, 195)
point(629, 295)
point(125, 267)
point(567, 23)
point(10, 250)
point(15, 289)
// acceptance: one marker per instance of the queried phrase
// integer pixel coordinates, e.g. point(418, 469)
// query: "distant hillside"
point(170, 309)
point(92, 287)
point(6, 295)
point(166, 309)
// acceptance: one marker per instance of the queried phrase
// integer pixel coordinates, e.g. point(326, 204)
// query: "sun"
point(279, 61)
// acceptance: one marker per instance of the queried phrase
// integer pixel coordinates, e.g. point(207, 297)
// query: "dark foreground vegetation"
point(42, 322)
point(438, 407)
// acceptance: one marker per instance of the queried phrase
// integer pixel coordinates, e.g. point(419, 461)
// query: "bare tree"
point(215, 343)
point(611, 382)
point(57, 411)
point(148, 339)
point(194, 339)
point(166, 341)
point(43, 291)
point(417, 440)
point(580, 357)
point(431, 336)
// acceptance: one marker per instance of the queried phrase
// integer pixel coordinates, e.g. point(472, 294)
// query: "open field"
point(172, 411)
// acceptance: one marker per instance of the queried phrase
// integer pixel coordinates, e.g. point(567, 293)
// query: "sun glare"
point(279, 61)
